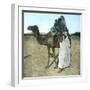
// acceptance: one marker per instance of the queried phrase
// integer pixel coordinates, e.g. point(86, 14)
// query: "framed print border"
point(16, 41)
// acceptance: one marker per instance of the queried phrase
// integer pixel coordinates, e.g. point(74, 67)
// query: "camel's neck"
point(37, 35)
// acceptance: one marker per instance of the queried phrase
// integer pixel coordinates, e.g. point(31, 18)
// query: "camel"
point(52, 38)
point(48, 40)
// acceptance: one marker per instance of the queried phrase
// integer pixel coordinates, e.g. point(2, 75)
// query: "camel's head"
point(34, 29)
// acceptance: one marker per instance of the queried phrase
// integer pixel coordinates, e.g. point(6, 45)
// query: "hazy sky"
point(46, 20)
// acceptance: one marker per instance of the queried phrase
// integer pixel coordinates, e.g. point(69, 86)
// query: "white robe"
point(64, 53)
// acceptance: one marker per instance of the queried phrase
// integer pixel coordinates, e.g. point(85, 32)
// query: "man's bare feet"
point(56, 67)
point(60, 70)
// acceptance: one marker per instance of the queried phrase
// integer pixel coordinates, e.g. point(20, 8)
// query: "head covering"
point(65, 33)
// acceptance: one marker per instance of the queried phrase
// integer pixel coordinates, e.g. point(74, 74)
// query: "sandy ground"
point(36, 57)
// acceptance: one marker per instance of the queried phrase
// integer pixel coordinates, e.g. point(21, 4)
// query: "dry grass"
point(35, 59)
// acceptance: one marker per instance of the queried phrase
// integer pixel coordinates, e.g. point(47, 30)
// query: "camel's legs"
point(53, 49)
point(56, 59)
point(48, 57)
point(56, 62)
